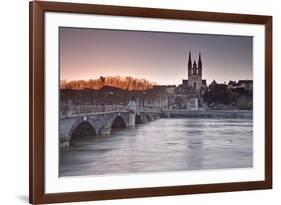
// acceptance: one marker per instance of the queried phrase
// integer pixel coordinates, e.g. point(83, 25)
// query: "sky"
point(159, 57)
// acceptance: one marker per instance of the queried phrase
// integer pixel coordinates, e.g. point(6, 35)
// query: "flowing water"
point(162, 145)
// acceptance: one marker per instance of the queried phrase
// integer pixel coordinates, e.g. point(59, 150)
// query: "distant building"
point(195, 74)
point(170, 89)
point(192, 104)
point(246, 84)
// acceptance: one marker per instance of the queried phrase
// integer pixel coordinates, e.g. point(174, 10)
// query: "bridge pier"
point(132, 119)
point(64, 142)
point(105, 131)
point(132, 113)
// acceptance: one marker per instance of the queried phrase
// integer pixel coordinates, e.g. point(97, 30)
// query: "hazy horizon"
point(158, 57)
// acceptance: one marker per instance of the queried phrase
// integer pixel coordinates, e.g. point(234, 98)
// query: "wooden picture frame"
point(37, 194)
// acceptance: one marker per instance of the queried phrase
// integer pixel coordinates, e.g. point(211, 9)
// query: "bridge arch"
point(118, 122)
point(82, 128)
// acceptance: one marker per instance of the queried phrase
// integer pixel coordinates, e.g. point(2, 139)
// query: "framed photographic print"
point(139, 102)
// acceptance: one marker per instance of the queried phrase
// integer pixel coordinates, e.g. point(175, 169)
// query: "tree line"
point(126, 83)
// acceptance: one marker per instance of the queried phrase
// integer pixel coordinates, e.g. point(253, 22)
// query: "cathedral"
point(194, 71)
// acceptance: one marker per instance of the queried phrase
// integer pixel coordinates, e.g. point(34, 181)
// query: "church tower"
point(200, 65)
point(194, 72)
point(189, 65)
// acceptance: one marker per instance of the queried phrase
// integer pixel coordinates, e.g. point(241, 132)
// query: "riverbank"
point(245, 114)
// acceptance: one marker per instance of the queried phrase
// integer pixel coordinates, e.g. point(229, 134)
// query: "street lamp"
point(143, 94)
point(104, 102)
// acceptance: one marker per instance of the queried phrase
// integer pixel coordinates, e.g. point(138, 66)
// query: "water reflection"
point(162, 145)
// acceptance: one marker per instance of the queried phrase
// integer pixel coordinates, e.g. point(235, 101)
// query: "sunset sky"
point(156, 56)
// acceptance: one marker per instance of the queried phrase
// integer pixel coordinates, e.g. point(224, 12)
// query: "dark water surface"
point(163, 145)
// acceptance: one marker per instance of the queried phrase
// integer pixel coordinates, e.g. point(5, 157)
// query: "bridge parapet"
point(68, 110)
point(92, 114)
point(80, 110)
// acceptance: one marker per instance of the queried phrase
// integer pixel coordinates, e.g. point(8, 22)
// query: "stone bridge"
point(100, 123)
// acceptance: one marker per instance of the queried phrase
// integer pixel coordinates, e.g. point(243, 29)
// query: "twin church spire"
point(194, 69)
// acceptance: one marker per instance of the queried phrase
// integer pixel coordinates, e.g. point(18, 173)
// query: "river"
point(163, 145)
